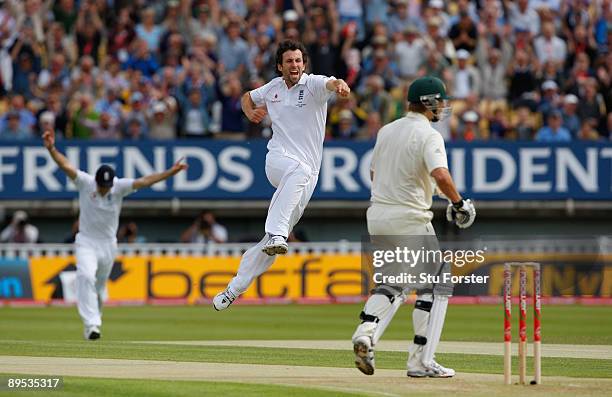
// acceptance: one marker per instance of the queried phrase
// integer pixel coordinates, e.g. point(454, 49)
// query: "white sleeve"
point(317, 85)
point(435, 153)
point(124, 186)
point(82, 179)
point(258, 95)
point(374, 155)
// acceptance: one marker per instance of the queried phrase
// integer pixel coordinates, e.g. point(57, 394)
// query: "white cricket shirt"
point(298, 116)
point(406, 152)
point(99, 215)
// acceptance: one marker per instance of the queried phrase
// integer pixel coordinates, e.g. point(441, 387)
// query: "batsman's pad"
point(445, 287)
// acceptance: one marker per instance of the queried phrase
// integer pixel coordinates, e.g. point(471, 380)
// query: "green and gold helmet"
point(431, 92)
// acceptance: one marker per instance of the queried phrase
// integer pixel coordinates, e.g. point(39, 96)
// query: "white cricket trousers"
point(294, 182)
point(94, 263)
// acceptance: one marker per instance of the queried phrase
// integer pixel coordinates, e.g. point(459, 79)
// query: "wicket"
point(537, 336)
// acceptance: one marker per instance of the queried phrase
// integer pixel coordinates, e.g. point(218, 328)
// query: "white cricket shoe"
point(92, 333)
point(277, 245)
point(433, 370)
point(223, 299)
point(364, 354)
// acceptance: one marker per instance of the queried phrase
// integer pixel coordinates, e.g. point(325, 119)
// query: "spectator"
point(163, 119)
point(149, 31)
point(138, 111)
point(588, 131)
point(571, 121)
point(65, 12)
point(375, 11)
point(410, 53)
point(19, 230)
point(12, 128)
point(111, 103)
point(467, 79)
point(206, 21)
point(548, 46)
point(27, 121)
point(550, 98)
point(401, 19)
point(469, 130)
point(325, 56)
point(375, 99)
point(346, 128)
point(58, 42)
point(233, 50)
point(54, 108)
point(232, 119)
point(81, 111)
point(591, 105)
point(128, 233)
point(554, 131)
point(370, 130)
point(464, 33)
point(493, 72)
point(523, 82)
point(142, 59)
point(122, 35)
point(205, 229)
point(524, 17)
point(195, 119)
point(498, 125)
point(85, 76)
point(384, 68)
point(135, 129)
point(440, 15)
point(89, 28)
point(56, 75)
point(106, 127)
point(524, 127)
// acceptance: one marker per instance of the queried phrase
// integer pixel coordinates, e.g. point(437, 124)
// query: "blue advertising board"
point(221, 170)
point(15, 279)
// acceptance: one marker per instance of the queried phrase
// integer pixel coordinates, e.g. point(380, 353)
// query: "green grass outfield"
point(56, 332)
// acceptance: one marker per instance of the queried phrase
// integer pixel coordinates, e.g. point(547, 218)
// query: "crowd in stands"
point(165, 69)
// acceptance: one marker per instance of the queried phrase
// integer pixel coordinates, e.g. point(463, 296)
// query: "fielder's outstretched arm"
point(61, 160)
point(152, 179)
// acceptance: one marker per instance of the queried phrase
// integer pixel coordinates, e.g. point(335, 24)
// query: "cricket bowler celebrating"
point(408, 167)
point(297, 105)
point(100, 200)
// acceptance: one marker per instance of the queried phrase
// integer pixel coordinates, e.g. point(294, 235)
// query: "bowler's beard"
point(289, 81)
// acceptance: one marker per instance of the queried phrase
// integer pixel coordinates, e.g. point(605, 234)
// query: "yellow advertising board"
point(307, 276)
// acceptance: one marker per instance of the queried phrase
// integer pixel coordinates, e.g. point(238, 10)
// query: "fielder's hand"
point(179, 166)
point(462, 212)
point(49, 139)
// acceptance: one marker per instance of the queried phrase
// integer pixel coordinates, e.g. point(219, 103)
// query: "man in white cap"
point(467, 78)
point(100, 200)
point(571, 121)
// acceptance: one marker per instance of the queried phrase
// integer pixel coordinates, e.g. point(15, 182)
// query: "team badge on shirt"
point(275, 99)
point(301, 103)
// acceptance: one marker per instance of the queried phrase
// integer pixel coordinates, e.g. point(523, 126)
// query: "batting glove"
point(462, 212)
